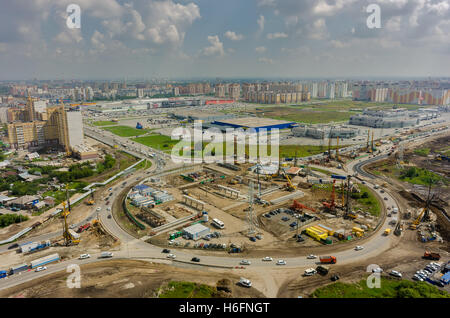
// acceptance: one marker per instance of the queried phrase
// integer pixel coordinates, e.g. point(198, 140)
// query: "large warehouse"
point(255, 122)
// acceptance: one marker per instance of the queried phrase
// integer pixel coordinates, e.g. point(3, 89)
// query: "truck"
point(45, 260)
point(106, 255)
point(18, 269)
point(387, 232)
point(322, 270)
point(328, 259)
point(3, 274)
point(432, 256)
point(84, 227)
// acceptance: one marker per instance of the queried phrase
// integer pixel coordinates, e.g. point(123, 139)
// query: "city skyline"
point(209, 39)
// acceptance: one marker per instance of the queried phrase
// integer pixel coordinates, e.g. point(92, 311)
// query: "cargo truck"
point(328, 259)
point(322, 270)
point(432, 256)
point(18, 269)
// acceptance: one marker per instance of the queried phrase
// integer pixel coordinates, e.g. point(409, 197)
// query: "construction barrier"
point(131, 217)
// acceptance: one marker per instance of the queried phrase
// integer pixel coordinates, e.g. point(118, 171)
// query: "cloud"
point(277, 35)
point(261, 20)
point(266, 3)
point(265, 60)
point(338, 44)
point(216, 47)
point(318, 30)
point(233, 36)
point(260, 49)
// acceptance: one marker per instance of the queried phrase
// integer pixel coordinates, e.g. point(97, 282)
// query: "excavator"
point(416, 222)
point(91, 201)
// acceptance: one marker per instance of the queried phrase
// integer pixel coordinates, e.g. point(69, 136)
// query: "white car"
point(40, 268)
point(396, 274)
point(358, 248)
point(84, 256)
point(310, 272)
point(245, 282)
point(99, 208)
point(245, 262)
point(311, 256)
point(281, 262)
point(108, 209)
point(172, 256)
point(267, 259)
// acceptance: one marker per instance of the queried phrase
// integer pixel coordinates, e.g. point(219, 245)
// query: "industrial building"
point(320, 132)
point(393, 118)
point(255, 122)
point(205, 117)
point(196, 231)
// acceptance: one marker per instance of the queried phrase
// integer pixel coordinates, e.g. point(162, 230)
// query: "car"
point(107, 202)
point(245, 262)
point(245, 282)
point(267, 259)
point(418, 278)
point(335, 277)
point(253, 239)
point(108, 209)
point(377, 270)
point(311, 256)
point(310, 272)
point(40, 268)
point(109, 216)
point(172, 256)
point(281, 262)
point(426, 270)
point(258, 236)
point(98, 209)
point(385, 198)
point(13, 246)
point(110, 189)
point(165, 250)
point(395, 273)
point(363, 182)
point(388, 207)
point(195, 259)
point(358, 248)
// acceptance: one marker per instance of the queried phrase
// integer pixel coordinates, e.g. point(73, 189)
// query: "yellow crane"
point(368, 139)
point(337, 149)
point(68, 234)
point(291, 187)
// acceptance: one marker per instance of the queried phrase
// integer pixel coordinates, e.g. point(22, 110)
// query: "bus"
point(218, 223)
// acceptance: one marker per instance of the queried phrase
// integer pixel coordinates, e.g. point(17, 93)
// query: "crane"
point(289, 185)
point(331, 206)
point(68, 234)
point(337, 149)
point(368, 138)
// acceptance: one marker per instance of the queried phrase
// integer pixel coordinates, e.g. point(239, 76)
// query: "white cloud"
point(216, 47)
point(266, 3)
point(233, 36)
point(261, 20)
point(260, 49)
point(277, 35)
point(318, 30)
point(265, 60)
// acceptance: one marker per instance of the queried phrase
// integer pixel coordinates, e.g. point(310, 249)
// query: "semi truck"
point(328, 259)
point(18, 269)
point(431, 256)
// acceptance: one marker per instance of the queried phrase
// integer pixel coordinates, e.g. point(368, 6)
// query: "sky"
point(224, 38)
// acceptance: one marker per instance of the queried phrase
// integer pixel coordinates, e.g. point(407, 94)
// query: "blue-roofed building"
point(141, 187)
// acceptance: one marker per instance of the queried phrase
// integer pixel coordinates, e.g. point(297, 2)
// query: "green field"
point(369, 202)
point(125, 131)
point(104, 123)
point(420, 176)
point(289, 151)
point(160, 142)
point(390, 288)
point(187, 290)
point(422, 152)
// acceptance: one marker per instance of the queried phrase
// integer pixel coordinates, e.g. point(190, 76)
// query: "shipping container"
point(45, 260)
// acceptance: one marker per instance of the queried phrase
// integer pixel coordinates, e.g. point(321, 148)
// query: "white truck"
point(106, 255)
point(395, 210)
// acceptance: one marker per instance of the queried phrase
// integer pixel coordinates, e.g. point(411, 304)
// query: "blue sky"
point(212, 38)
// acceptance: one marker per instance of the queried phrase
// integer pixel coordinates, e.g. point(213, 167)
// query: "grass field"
point(160, 142)
point(390, 288)
point(422, 152)
point(187, 290)
point(125, 131)
point(104, 123)
point(369, 203)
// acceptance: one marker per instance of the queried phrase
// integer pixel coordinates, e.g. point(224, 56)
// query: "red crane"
point(298, 206)
point(332, 204)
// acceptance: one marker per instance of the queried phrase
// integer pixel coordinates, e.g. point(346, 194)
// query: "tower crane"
point(70, 237)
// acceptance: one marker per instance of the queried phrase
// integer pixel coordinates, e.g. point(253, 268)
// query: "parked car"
point(267, 259)
point(253, 239)
point(245, 282)
point(417, 277)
